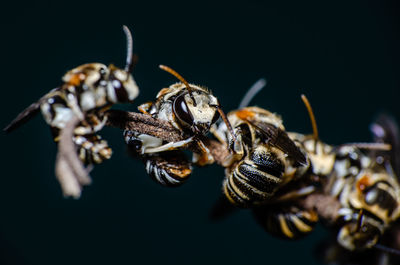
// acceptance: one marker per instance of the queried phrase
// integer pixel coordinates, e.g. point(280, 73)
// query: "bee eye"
point(181, 110)
point(120, 91)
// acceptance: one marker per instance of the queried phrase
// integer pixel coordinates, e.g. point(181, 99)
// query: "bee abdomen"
point(92, 149)
point(169, 168)
point(253, 181)
point(289, 222)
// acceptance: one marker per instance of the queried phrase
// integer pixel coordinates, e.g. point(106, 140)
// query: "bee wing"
point(386, 130)
point(28, 113)
point(280, 139)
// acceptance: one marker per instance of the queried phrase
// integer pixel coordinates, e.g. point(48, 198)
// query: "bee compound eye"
point(120, 91)
point(182, 111)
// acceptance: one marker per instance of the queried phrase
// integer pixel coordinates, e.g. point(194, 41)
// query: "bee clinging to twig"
point(263, 157)
point(87, 92)
point(192, 110)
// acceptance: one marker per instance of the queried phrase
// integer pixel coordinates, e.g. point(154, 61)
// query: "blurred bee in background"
point(87, 92)
point(192, 110)
point(367, 186)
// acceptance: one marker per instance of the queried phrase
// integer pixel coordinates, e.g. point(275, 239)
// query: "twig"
point(325, 205)
point(146, 124)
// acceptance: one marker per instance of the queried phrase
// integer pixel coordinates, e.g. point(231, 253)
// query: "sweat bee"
point(368, 188)
point(363, 180)
point(87, 92)
point(263, 157)
point(192, 110)
point(283, 216)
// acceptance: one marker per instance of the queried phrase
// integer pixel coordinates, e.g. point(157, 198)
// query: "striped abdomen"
point(254, 179)
point(92, 149)
point(290, 221)
point(168, 168)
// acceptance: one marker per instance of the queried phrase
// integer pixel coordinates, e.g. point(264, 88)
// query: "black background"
point(344, 55)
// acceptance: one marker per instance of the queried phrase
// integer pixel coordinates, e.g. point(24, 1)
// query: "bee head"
point(196, 108)
point(121, 87)
point(354, 236)
point(101, 85)
point(196, 112)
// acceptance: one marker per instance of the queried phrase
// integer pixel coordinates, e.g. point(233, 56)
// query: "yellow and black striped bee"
point(267, 171)
point(263, 157)
point(87, 92)
point(283, 216)
point(192, 110)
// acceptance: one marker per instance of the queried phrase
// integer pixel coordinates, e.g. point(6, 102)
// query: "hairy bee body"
point(369, 196)
point(189, 108)
point(264, 158)
point(255, 178)
point(86, 93)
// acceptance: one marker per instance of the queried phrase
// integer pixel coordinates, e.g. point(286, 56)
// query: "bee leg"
point(92, 149)
point(168, 147)
point(292, 195)
point(287, 221)
point(145, 107)
point(203, 158)
point(169, 168)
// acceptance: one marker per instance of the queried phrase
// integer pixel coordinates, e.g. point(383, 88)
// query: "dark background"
point(344, 55)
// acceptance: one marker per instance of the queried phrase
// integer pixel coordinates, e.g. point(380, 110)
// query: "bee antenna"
point(253, 90)
point(129, 49)
point(174, 73)
point(226, 121)
point(312, 118)
point(387, 249)
point(369, 146)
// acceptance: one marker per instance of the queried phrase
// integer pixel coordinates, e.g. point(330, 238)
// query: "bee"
point(361, 177)
point(283, 216)
point(263, 157)
point(369, 194)
point(192, 110)
point(87, 92)
point(297, 171)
